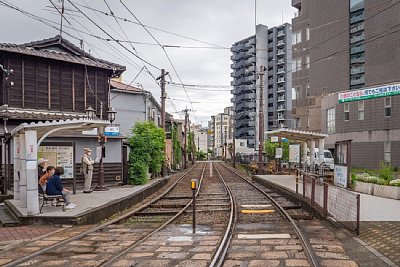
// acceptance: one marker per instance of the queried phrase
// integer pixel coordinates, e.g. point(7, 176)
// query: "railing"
point(341, 204)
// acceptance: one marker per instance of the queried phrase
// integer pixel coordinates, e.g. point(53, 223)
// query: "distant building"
point(270, 48)
point(221, 132)
point(346, 51)
point(200, 138)
point(132, 105)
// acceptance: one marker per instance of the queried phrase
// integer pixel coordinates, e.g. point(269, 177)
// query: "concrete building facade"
point(271, 49)
point(349, 52)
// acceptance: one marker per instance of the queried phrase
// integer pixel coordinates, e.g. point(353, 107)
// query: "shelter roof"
point(65, 127)
point(298, 135)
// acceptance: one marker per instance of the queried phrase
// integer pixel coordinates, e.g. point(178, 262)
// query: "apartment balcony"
point(357, 70)
point(357, 18)
point(281, 118)
point(281, 34)
point(281, 89)
point(281, 61)
point(281, 52)
point(281, 71)
point(360, 59)
point(243, 97)
point(237, 65)
point(280, 43)
point(245, 105)
point(355, 81)
point(281, 99)
point(280, 108)
point(281, 80)
point(251, 42)
point(250, 78)
point(250, 61)
point(357, 49)
point(252, 69)
point(252, 51)
point(357, 38)
point(357, 28)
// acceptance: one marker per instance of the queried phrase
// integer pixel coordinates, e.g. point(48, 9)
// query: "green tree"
point(176, 146)
point(147, 143)
point(270, 149)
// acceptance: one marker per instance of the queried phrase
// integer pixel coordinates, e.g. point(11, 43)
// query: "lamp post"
point(102, 140)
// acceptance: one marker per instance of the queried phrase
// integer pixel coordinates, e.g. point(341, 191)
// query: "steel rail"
point(99, 227)
point(312, 258)
point(141, 240)
point(219, 256)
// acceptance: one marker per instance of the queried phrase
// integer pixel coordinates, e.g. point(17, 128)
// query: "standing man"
point(41, 167)
point(87, 169)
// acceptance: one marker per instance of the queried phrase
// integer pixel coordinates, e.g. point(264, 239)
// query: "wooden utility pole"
point(163, 96)
point(261, 121)
point(186, 111)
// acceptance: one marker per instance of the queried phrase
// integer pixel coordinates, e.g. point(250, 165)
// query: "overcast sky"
point(220, 22)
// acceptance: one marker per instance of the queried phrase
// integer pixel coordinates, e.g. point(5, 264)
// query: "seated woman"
point(54, 187)
point(45, 177)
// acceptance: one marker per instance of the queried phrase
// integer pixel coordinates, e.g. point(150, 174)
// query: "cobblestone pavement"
point(24, 232)
point(176, 246)
point(383, 237)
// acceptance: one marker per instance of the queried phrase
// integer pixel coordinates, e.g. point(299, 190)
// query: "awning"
point(297, 135)
point(65, 127)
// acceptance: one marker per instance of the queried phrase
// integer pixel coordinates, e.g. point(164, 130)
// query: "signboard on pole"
point(294, 153)
point(368, 93)
point(340, 178)
point(111, 131)
point(274, 139)
point(278, 153)
point(59, 155)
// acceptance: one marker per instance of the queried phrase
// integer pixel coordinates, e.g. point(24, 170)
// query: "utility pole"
point(163, 97)
point(261, 121)
point(185, 143)
point(234, 140)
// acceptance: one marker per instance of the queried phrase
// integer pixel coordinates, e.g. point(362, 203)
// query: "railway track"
point(119, 236)
point(260, 222)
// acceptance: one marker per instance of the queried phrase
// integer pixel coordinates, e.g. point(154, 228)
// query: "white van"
point(328, 159)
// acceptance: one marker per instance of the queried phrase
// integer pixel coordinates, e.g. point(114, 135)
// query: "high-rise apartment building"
point(347, 75)
point(271, 49)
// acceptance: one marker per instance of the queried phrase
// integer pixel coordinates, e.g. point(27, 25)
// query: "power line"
point(151, 27)
point(143, 60)
point(165, 52)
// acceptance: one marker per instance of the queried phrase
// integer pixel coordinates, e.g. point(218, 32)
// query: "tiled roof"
point(57, 48)
point(125, 87)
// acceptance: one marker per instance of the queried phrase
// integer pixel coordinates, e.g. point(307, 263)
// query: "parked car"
point(328, 159)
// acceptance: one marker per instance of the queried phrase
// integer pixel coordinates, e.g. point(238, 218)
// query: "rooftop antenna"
point(62, 16)
point(282, 16)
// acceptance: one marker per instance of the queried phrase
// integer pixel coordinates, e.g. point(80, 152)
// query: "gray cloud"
point(222, 22)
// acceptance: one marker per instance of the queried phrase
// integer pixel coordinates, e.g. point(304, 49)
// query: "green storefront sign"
point(369, 93)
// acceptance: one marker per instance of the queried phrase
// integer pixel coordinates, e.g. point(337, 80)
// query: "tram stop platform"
point(90, 208)
point(372, 208)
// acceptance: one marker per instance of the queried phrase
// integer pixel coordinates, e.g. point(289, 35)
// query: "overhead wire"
point(165, 52)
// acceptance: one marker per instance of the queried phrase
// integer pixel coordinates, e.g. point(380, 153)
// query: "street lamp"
point(111, 114)
point(90, 113)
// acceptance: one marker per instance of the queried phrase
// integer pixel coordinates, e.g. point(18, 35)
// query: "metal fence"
point(339, 203)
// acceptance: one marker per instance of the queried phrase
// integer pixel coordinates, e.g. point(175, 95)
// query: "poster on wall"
point(340, 178)
point(59, 155)
point(278, 153)
point(294, 153)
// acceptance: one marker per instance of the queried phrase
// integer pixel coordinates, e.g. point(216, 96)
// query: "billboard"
point(369, 93)
point(59, 155)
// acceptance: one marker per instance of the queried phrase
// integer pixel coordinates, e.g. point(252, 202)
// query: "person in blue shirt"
point(54, 187)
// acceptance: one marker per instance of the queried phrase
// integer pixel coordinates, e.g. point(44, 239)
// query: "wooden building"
point(51, 79)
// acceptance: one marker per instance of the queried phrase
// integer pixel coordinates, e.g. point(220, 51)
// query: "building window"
point(298, 123)
point(307, 33)
point(330, 120)
point(361, 110)
point(242, 144)
point(296, 64)
point(346, 111)
point(296, 37)
point(296, 93)
point(387, 150)
point(307, 89)
point(307, 62)
point(388, 106)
